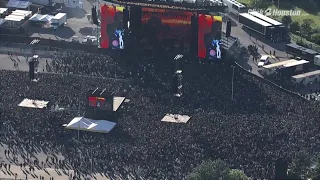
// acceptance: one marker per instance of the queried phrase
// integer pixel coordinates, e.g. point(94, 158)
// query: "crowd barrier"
point(271, 83)
point(61, 44)
point(88, 48)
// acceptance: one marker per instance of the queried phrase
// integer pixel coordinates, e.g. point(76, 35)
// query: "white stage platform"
point(31, 103)
point(86, 124)
point(117, 101)
point(175, 118)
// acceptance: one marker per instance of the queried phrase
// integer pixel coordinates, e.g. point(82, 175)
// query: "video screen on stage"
point(112, 28)
point(166, 28)
point(97, 101)
point(209, 37)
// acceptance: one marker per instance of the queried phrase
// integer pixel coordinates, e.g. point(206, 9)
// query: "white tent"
point(18, 4)
point(41, 18)
point(86, 124)
point(3, 10)
point(31, 103)
point(2, 21)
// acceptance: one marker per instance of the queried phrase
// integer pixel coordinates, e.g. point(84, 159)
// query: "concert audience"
point(250, 132)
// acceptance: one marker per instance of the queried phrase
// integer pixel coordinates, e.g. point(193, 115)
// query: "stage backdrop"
point(166, 28)
point(209, 36)
point(112, 28)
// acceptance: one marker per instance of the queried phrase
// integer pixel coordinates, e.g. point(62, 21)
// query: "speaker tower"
point(31, 70)
point(228, 29)
point(125, 18)
point(194, 36)
point(94, 16)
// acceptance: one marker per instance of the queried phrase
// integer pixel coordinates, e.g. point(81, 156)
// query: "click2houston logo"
point(278, 12)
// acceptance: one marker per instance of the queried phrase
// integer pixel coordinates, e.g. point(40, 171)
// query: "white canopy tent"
point(3, 10)
point(86, 124)
point(23, 4)
point(22, 13)
point(2, 21)
point(41, 18)
point(31, 103)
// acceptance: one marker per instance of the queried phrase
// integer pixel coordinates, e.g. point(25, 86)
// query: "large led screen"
point(209, 36)
point(112, 29)
point(166, 28)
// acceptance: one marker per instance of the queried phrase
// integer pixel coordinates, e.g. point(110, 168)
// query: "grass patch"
point(244, 1)
point(308, 10)
point(311, 45)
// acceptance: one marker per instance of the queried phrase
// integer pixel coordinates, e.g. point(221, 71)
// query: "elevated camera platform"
point(31, 103)
point(176, 118)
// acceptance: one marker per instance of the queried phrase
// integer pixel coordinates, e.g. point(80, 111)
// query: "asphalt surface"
point(264, 47)
point(77, 28)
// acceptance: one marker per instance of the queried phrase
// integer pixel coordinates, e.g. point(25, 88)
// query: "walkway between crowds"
point(17, 172)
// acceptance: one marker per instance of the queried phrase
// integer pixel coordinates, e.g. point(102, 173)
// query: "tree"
point(286, 20)
point(316, 38)
point(295, 26)
point(209, 170)
point(315, 170)
point(263, 4)
point(216, 170)
point(306, 28)
point(300, 166)
point(235, 174)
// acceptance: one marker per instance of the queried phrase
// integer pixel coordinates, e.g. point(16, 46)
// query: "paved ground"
point(77, 25)
point(7, 63)
point(246, 40)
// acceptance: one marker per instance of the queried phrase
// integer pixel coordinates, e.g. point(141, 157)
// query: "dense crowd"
point(250, 132)
point(84, 63)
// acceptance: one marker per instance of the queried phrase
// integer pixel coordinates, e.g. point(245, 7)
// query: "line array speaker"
point(125, 18)
point(31, 70)
point(194, 36)
point(228, 29)
point(94, 15)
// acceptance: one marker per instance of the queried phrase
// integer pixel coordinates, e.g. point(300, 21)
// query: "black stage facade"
point(195, 31)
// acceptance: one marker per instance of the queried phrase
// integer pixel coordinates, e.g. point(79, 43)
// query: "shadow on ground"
point(62, 32)
point(280, 46)
point(87, 31)
point(75, 13)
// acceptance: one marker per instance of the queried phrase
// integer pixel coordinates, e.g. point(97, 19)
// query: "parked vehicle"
point(58, 20)
point(305, 53)
point(235, 7)
point(264, 60)
point(256, 24)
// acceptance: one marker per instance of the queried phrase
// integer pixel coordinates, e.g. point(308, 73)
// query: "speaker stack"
point(126, 18)
point(194, 36)
point(228, 30)
point(94, 15)
point(177, 83)
point(135, 16)
point(31, 70)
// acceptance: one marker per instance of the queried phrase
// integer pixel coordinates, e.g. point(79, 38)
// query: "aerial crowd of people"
point(250, 131)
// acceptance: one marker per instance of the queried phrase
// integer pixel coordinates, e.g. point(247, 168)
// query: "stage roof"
point(86, 124)
point(189, 5)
